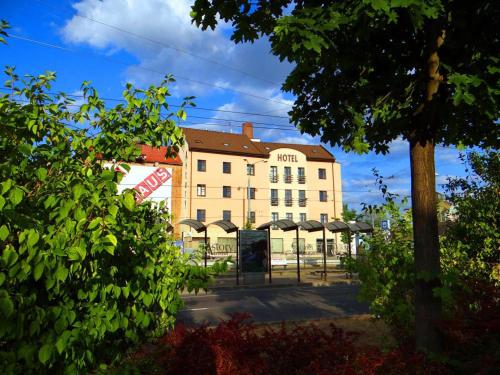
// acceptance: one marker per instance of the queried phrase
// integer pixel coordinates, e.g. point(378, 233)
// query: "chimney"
point(247, 129)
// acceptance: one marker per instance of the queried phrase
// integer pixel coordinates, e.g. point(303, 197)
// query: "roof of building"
point(240, 144)
point(157, 155)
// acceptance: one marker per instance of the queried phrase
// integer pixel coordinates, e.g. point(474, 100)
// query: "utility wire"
point(50, 45)
point(165, 45)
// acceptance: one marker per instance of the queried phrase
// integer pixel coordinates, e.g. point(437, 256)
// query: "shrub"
point(84, 273)
point(238, 347)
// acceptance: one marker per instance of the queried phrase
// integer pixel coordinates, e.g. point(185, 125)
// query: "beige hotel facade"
point(242, 179)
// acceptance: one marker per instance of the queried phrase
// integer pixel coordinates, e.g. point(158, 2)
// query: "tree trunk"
point(426, 242)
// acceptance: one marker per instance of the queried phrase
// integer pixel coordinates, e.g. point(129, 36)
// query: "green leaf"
point(128, 201)
point(147, 299)
point(38, 271)
point(62, 273)
point(41, 173)
point(45, 353)
point(2, 278)
point(182, 114)
point(6, 305)
point(78, 190)
point(2, 202)
point(16, 195)
point(4, 232)
point(33, 238)
point(111, 238)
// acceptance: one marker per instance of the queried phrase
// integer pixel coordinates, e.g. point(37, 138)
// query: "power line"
point(50, 45)
point(169, 46)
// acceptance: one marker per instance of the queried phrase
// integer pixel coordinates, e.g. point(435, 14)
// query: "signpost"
point(253, 250)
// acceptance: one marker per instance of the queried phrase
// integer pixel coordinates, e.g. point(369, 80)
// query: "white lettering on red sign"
point(146, 187)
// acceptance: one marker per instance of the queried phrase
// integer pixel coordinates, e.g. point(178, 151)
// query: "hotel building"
point(245, 180)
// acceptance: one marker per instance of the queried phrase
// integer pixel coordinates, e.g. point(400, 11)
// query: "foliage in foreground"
point(84, 273)
point(238, 347)
point(470, 262)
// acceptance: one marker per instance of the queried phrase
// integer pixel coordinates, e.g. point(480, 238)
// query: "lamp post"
point(249, 184)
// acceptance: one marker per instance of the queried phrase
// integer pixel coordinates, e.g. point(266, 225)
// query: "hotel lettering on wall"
point(146, 187)
point(287, 158)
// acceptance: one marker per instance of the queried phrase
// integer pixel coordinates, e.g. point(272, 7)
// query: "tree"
point(85, 273)
point(368, 72)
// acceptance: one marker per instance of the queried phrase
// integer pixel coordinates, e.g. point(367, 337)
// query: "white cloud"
point(168, 24)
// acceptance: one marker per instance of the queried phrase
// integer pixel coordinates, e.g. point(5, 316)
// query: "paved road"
point(274, 304)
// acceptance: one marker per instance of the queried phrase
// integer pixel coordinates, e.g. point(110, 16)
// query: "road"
point(274, 304)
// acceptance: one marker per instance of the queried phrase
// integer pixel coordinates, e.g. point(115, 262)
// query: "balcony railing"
point(273, 178)
point(288, 202)
point(301, 179)
point(274, 201)
point(302, 202)
point(288, 178)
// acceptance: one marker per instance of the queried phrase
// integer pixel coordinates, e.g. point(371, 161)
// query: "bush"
point(238, 347)
point(84, 273)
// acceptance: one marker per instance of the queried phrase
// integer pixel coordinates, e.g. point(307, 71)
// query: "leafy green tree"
point(347, 215)
point(85, 273)
point(367, 72)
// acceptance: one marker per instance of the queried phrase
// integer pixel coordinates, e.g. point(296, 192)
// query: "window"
point(323, 218)
point(275, 216)
point(276, 245)
point(201, 190)
point(319, 245)
point(274, 197)
point(226, 191)
point(287, 176)
point(250, 170)
point(288, 197)
point(226, 167)
point(251, 217)
point(301, 175)
point(226, 215)
point(273, 174)
point(202, 165)
point(289, 216)
point(302, 217)
point(201, 215)
point(251, 193)
point(302, 198)
point(302, 245)
point(323, 196)
point(329, 247)
point(322, 173)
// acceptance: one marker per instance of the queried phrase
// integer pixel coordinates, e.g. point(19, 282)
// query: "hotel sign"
point(287, 157)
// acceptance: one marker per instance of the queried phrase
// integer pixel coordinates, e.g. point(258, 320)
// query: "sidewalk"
point(310, 276)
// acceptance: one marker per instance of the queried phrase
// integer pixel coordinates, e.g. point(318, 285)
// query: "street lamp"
point(249, 185)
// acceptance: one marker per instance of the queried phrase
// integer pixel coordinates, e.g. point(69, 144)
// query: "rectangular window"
point(302, 245)
point(323, 218)
point(202, 165)
point(322, 173)
point(226, 215)
point(251, 193)
point(301, 175)
point(201, 215)
point(226, 191)
point(251, 217)
point(323, 197)
point(226, 167)
point(319, 245)
point(288, 197)
point(276, 245)
point(275, 216)
point(287, 176)
point(274, 197)
point(201, 190)
point(302, 198)
point(273, 174)
point(302, 217)
point(289, 216)
point(329, 247)
point(250, 170)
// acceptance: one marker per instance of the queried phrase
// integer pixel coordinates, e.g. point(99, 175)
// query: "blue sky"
point(146, 39)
